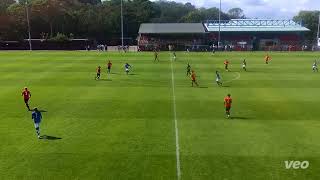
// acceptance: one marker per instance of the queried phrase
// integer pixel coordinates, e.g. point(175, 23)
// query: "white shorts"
point(243, 66)
point(127, 69)
point(217, 79)
point(314, 67)
point(36, 125)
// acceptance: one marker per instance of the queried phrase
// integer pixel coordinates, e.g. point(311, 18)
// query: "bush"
point(60, 38)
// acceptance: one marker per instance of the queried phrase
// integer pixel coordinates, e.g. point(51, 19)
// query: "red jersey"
point(227, 101)
point(267, 58)
point(193, 76)
point(109, 65)
point(226, 62)
point(26, 94)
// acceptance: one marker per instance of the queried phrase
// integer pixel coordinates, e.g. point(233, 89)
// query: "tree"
point(193, 17)
point(17, 23)
point(6, 20)
point(137, 12)
point(50, 10)
point(4, 4)
point(213, 13)
point(171, 12)
point(310, 20)
point(202, 14)
point(236, 13)
point(60, 38)
point(95, 19)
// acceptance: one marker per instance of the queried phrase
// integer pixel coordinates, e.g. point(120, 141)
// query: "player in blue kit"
point(188, 70)
point(127, 68)
point(315, 66)
point(218, 78)
point(37, 117)
point(244, 64)
point(174, 55)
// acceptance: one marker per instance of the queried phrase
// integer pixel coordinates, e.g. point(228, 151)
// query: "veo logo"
point(296, 164)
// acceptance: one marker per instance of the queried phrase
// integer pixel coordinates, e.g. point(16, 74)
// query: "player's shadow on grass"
point(203, 87)
point(133, 74)
point(50, 137)
point(241, 118)
point(104, 80)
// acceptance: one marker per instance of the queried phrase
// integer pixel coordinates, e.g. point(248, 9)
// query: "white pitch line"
point(236, 78)
point(176, 125)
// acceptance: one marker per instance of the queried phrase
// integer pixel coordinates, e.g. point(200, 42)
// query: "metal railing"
point(252, 23)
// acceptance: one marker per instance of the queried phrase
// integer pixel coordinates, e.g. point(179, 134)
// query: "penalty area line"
point(175, 125)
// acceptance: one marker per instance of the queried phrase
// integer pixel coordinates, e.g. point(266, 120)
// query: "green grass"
point(122, 127)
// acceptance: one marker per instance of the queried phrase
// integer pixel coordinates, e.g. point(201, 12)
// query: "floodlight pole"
point(29, 29)
point(318, 31)
point(219, 38)
point(122, 24)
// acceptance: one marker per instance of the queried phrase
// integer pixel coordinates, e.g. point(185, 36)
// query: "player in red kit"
point(26, 96)
point(98, 73)
point(267, 59)
point(227, 104)
point(109, 65)
point(226, 64)
point(193, 79)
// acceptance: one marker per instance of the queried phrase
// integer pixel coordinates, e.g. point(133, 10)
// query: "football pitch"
point(151, 124)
